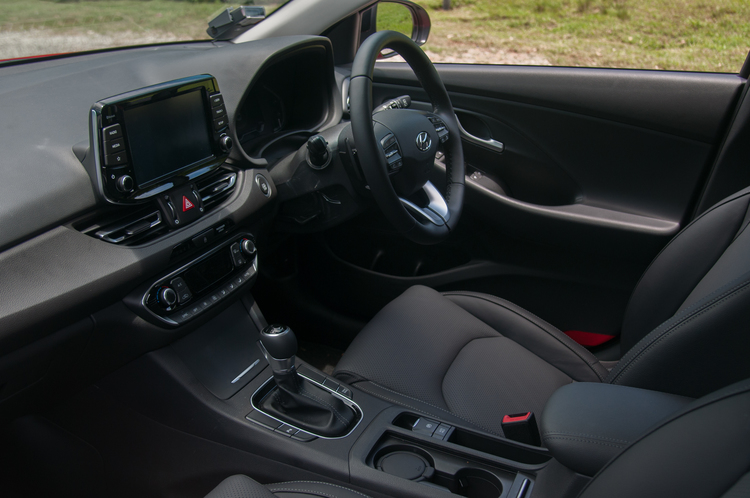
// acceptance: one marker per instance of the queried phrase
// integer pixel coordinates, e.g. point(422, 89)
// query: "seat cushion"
point(465, 356)
point(240, 486)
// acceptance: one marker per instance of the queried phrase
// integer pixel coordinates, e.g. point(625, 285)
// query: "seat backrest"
point(701, 452)
point(687, 327)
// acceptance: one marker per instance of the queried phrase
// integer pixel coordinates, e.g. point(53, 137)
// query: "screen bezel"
point(110, 111)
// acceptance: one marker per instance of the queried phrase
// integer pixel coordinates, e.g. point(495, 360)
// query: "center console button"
point(236, 251)
point(183, 292)
point(344, 391)
point(441, 431)
point(425, 426)
point(331, 384)
point(288, 430)
point(182, 316)
point(204, 238)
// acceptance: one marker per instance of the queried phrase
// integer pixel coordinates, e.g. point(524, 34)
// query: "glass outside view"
point(695, 35)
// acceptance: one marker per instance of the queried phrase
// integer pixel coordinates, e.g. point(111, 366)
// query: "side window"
point(687, 35)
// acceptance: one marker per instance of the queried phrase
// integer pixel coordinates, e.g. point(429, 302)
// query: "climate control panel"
point(203, 283)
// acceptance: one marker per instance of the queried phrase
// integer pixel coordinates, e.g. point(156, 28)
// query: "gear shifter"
point(297, 401)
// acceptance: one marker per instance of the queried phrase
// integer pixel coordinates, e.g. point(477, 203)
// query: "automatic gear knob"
point(279, 345)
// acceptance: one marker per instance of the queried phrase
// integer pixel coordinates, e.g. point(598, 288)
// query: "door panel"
point(610, 150)
point(598, 167)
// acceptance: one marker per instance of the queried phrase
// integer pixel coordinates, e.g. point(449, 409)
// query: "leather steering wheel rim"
point(371, 155)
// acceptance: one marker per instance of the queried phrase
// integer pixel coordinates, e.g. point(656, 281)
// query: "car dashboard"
point(73, 248)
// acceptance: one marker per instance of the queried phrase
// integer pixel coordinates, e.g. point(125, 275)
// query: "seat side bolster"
point(702, 348)
point(533, 333)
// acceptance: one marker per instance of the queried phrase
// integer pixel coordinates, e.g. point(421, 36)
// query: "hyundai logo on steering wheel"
point(424, 142)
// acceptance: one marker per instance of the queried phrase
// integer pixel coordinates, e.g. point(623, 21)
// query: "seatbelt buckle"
point(521, 427)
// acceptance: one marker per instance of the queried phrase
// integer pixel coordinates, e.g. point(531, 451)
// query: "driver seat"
point(471, 358)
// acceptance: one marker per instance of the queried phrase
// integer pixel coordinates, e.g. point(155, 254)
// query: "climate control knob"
point(166, 297)
point(125, 184)
point(248, 247)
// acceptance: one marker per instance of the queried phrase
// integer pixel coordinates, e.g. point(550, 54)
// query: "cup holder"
point(407, 462)
point(476, 483)
point(416, 464)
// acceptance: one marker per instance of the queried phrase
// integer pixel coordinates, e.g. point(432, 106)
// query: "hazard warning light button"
point(181, 206)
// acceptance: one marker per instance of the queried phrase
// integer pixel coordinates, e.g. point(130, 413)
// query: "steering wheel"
point(396, 148)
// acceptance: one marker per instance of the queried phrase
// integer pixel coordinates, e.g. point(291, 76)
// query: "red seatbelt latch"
point(521, 427)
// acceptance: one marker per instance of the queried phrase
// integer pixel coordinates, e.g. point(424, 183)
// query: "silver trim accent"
point(257, 182)
point(423, 141)
point(329, 200)
point(524, 487)
point(105, 234)
point(283, 365)
point(245, 371)
point(345, 95)
point(435, 212)
point(346, 400)
point(489, 143)
point(229, 178)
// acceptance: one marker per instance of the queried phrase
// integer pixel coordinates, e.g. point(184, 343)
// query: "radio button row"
point(114, 146)
point(216, 100)
point(116, 159)
point(220, 123)
point(112, 132)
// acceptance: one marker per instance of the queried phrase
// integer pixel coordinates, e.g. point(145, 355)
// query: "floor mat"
point(322, 357)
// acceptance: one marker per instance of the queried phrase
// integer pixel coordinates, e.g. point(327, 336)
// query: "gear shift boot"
point(295, 400)
point(302, 404)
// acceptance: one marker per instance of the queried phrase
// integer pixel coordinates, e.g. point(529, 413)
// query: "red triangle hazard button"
point(186, 204)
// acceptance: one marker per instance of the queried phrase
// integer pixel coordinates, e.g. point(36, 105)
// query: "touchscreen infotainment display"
point(167, 135)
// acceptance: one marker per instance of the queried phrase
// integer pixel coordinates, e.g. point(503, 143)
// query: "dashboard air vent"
point(124, 226)
point(216, 187)
point(132, 229)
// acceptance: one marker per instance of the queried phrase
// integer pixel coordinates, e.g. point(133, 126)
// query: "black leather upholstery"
point(240, 486)
point(701, 452)
point(437, 349)
point(478, 357)
point(586, 424)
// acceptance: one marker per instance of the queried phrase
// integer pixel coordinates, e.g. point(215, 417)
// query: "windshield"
point(40, 27)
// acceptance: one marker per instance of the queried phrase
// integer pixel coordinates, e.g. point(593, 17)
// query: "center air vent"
point(129, 226)
point(216, 187)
